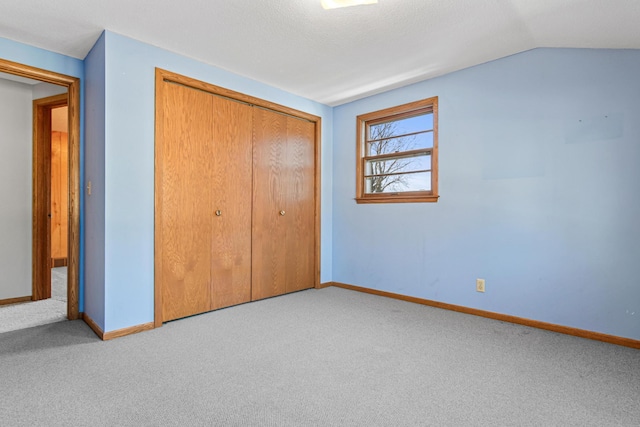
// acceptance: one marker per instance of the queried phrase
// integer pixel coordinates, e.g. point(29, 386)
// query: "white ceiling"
point(18, 79)
point(331, 56)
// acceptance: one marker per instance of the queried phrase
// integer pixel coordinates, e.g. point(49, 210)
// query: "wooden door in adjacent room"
point(59, 186)
point(283, 204)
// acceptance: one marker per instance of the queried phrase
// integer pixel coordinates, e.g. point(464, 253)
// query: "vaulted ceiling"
point(330, 56)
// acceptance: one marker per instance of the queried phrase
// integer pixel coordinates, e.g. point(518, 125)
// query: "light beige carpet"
point(29, 314)
point(328, 357)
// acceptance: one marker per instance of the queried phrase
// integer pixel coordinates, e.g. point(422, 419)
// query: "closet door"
point(186, 202)
point(283, 204)
point(235, 198)
point(205, 199)
point(300, 194)
point(231, 163)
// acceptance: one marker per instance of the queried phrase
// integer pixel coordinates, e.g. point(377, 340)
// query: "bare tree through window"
point(386, 173)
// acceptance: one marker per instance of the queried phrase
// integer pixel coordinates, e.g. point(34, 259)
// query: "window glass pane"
point(399, 144)
point(420, 181)
point(398, 165)
point(401, 127)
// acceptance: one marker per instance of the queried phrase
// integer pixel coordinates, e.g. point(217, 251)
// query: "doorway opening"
point(50, 192)
point(43, 254)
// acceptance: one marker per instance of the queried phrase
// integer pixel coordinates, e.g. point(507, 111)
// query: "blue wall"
point(95, 173)
point(129, 168)
point(539, 184)
point(36, 57)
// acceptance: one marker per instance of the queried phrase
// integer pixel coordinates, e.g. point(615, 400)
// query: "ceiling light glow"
point(334, 4)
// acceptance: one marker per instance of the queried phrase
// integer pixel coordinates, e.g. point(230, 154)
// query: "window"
point(398, 154)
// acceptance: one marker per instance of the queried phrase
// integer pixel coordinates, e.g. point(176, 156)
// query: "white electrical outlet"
point(480, 285)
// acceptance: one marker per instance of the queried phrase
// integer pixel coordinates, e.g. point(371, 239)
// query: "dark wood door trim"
point(41, 235)
point(73, 101)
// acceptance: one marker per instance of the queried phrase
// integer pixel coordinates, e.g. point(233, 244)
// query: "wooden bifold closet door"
point(283, 204)
point(235, 199)
point(206, 202)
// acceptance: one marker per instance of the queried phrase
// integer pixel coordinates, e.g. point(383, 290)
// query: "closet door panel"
point(231, 183)
point(269, 248)
point(186, 202)
point(298, 184)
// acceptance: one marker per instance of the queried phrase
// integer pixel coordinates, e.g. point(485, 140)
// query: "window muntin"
point(391, 145)
point(403, 126)
point(397, 154)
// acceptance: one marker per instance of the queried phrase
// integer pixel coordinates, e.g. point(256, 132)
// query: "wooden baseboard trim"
point(105, 336)
point(326, 285)
point(128, 331)
point(582, 333)
point(18, 300)
point(93, 325)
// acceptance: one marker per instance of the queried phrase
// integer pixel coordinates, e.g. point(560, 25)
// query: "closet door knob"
point(282, 213)
point(218, 212)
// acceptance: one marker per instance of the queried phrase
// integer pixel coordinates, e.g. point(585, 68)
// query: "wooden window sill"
point(397, 199)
